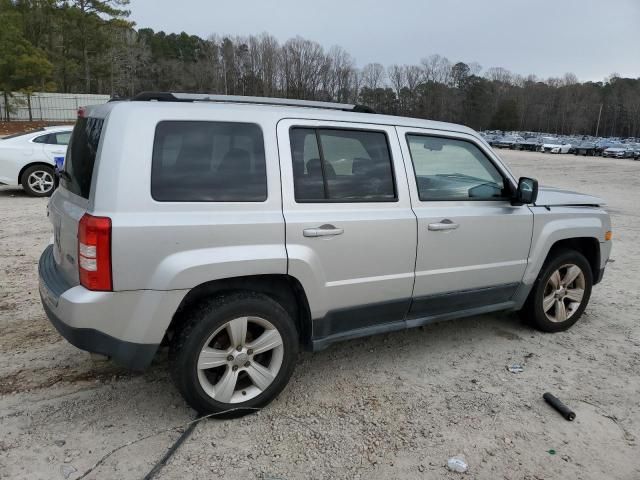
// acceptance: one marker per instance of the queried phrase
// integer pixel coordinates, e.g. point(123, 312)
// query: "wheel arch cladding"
point(587, 246)
point(33, 164)
point(284, 289)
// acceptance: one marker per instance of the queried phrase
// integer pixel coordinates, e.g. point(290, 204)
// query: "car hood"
point(554, 145)
point(548, 196)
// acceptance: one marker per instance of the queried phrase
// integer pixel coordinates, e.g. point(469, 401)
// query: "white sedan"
point(28, 159)
point(554, 145)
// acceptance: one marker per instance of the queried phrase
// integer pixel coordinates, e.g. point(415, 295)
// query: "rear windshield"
point(81, 156)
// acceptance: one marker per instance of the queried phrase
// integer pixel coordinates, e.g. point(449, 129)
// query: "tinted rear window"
point(81, 156)
point(208, 162)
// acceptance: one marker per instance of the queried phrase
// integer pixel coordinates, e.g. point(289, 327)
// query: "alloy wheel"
point(240, 360)
point(563, 293)
point(40, 181)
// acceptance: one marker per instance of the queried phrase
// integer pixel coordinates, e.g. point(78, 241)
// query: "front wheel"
point(234, 354)
point(561, 293)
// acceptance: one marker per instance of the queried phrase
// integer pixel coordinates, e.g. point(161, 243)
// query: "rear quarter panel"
point(179, 245)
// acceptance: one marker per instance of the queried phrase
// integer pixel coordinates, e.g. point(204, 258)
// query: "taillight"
point(94, 252)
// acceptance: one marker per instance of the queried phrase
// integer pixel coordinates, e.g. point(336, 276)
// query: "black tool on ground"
point(565, 411)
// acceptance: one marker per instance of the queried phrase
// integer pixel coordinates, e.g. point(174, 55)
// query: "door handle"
point(322, 231)
point(445, 224)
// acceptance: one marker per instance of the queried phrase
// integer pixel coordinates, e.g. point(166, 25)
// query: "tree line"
point(91, 46)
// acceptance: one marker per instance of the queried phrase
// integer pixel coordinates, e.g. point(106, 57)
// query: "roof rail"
point(285, 102)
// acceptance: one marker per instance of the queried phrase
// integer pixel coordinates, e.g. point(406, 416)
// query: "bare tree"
point(373, 76)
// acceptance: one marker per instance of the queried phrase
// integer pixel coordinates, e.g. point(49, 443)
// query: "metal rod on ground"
point(565, 411)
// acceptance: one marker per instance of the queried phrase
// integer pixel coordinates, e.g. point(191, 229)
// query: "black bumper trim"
point(136, 356)
point(599, 276)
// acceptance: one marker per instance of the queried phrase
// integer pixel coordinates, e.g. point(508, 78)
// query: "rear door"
point(473, 245)
point(350, 230)
point(70, 201)
point(55, 145)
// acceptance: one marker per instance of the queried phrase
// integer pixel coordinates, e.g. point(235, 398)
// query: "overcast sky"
point(591, 38)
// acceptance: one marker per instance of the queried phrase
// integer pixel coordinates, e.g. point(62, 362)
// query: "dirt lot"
point(392, 406)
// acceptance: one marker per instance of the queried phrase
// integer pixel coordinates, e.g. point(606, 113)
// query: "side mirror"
point(527, 192)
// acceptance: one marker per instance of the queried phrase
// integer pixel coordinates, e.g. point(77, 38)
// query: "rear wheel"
point(234, 354)
point(38, 181)
point(561, 293)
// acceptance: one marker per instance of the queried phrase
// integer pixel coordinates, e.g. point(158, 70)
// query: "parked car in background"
point(554, 145)
point(28, 159)
point(532, 144)
point(508, 141)
point(617, 151)
point(603, 144)
point(585, 149)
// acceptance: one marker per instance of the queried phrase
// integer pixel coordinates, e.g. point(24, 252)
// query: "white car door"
point(54, 145)
point(473, 245)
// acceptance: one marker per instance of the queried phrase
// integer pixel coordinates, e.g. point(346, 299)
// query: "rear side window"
point(61, 138)
point(208, 162)
point(336, 165)
point(81, 156)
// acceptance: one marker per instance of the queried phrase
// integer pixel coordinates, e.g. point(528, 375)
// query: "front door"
point(350, 229)
point(473, 245)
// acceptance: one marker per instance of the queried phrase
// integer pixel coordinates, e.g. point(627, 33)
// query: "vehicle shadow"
point(11, 191)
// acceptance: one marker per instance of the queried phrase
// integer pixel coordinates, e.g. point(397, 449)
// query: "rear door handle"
point(445, 224)
point(322, 231)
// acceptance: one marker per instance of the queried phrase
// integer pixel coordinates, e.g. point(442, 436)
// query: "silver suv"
point(236, 230)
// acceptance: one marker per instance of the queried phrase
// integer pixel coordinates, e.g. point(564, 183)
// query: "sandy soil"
point(391, 406)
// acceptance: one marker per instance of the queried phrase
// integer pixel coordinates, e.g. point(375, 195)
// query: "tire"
point(232, 374)
point(39, 181)
point(552, 319)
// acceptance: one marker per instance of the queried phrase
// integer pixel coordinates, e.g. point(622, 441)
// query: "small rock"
point(67, 470)
point(67, 460)
point(421, 468)
point(59, 443)
point(457, 464)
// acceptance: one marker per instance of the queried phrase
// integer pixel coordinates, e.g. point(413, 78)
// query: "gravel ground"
point(391, 406)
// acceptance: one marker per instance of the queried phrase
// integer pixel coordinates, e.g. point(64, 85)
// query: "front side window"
point(336, 165)
point(42, 139)
point(208, 162)
point(450, 169)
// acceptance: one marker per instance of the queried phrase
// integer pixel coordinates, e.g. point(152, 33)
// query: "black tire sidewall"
point(538, 315)
point(36, 168)
point(202, 321)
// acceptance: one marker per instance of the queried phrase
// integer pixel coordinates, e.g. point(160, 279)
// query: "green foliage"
point(22, 66)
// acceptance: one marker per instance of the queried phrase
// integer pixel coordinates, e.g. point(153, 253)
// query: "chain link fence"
point(45, 106)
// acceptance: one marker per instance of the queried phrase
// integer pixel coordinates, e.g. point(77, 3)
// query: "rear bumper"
point(136, 356)
point(126, 326)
